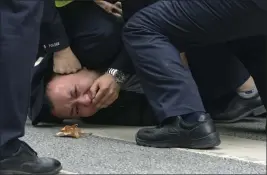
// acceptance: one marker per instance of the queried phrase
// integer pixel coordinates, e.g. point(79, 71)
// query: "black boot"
point(174, 132)
point(26, 161)
point(240, 108)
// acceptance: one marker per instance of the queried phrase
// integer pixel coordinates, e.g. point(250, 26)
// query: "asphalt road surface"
point(111, 149)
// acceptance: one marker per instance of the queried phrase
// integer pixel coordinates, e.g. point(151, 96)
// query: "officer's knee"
point(137, 25)
point(140, 22)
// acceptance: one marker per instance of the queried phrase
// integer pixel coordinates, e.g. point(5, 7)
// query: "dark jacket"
point(54, 37)
point(261, 3)
point(52, 32)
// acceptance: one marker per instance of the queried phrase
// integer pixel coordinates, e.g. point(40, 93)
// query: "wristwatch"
point(119, 76)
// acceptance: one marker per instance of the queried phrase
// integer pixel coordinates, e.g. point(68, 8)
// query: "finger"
point(99, 95)
point(118, 4)
point(115, 9)
point(94, 88)
point(103, 102)
point(74, 70)
point(107, 8)
point(111, 99)
point(55, 70)
point(117, 15)
point(66, 71)
point(73, 67)
point(68, 68)
point(61, 71)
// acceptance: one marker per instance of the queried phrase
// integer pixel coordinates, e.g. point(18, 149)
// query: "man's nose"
point(84, 99)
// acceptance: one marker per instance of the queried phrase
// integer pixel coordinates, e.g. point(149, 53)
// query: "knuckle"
point(111, 92)
point(105, 88)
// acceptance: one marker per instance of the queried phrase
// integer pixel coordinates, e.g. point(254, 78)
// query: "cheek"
point(59, 113)
point(87, 111)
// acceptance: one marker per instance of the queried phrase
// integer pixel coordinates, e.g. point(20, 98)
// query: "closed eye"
point(74, 94)
point(77, 110)
point(76, 91)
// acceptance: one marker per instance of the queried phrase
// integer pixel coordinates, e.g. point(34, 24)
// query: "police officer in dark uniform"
point(154, 38)
point(19, 38)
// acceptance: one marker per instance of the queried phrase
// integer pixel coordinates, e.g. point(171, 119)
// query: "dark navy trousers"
point(217, 68)
point(19, 37)
point(155, 36)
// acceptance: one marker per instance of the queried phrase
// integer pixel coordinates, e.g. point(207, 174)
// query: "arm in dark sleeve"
point(53, 35)
point(123, 63)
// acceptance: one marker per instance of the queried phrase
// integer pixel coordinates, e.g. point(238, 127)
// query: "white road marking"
point(224, 155)
point(241, 149)
point(66, 172)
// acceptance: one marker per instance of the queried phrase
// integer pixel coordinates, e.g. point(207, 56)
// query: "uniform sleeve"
point(53, 34)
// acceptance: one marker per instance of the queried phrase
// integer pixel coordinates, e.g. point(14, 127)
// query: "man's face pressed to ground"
point(70, 94)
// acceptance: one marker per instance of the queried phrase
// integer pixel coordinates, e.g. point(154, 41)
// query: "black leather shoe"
point(25, 161)
point(240, 108)
point(177, 133)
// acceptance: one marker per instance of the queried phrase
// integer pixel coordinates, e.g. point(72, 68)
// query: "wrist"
point(118, 75)
point(63, 51)
point(98, 1)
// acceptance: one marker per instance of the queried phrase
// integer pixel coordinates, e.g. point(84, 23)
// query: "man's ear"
point(53, 112)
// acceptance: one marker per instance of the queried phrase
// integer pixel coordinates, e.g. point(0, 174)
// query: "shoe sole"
point(11, 172)
point(254, 112)
point(210, 141)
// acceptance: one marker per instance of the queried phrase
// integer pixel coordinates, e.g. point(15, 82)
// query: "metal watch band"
point(119, 76)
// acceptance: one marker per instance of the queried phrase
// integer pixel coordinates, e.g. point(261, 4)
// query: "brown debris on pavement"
point(70, 131)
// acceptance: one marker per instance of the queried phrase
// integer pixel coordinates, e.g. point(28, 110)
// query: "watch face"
point(120, 78)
